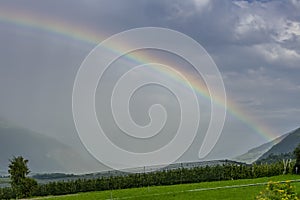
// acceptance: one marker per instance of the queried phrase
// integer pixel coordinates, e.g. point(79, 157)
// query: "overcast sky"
point(255, 44)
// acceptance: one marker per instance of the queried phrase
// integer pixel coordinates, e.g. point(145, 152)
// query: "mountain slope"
point(45, 154)
point(287, 145)
point(255, 153)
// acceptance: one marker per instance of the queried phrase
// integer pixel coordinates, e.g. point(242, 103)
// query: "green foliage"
point(18, 170)
point(278, 191)
point(297, 155)
point(22, 186)
point(222, 190)
point(274, 158)
point(28, 187)
point(7, 193)
point(160, 178)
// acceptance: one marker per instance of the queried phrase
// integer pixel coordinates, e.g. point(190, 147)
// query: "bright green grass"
point(180, 191)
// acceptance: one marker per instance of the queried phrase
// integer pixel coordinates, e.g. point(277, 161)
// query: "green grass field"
point(208, 191)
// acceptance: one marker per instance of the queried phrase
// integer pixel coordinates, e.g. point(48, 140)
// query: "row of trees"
point(23, 186)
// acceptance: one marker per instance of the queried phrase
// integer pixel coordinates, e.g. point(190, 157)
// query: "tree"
point(18, 170)
point(21, 184)
point(297, 155)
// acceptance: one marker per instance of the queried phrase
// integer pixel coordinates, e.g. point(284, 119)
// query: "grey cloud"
point(255, 45)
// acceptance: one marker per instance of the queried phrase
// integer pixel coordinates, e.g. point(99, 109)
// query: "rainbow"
point(86, 35)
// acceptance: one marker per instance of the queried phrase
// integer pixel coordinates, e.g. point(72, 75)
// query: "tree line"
point(22, 186)
point(28, 187)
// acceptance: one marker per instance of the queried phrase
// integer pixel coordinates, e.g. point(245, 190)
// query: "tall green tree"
point(297, 155)
point(21, 184)
point(18, 170)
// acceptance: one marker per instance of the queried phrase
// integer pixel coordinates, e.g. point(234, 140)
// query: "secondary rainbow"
point(50, 24)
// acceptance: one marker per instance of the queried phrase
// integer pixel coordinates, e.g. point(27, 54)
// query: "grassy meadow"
point(204, 190)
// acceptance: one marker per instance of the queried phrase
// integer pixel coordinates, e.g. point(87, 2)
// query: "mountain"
point(255, 153)
point(284, 144)
point(287, 145)
point(45, 154)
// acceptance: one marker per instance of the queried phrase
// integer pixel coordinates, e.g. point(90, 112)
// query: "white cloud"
point(202, 4)
point(248, 25)
point(287, 30)
point(275, 53)
point(296, 3)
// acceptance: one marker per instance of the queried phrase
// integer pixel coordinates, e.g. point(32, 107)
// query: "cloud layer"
point(255, 44)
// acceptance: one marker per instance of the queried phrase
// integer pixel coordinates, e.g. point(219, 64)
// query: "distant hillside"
point(276, 158)
point(287, 145)
point(255, 153)
point(44, 154)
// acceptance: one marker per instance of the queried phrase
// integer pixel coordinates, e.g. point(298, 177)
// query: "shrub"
point(278, 191)
point(7, 193)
